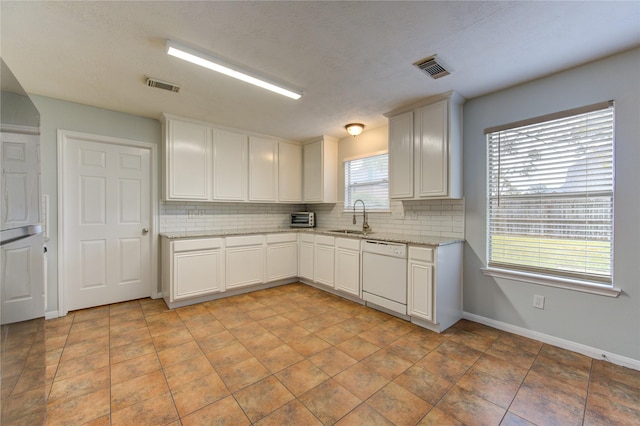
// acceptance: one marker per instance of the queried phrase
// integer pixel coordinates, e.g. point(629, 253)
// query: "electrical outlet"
point(538, 301)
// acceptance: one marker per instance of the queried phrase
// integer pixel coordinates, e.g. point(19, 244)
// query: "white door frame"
point(63, 136)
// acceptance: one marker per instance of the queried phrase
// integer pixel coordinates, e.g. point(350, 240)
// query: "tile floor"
point(295, 355)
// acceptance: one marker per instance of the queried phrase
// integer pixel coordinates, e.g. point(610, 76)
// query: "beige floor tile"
point(194, 395)
point(225, 412)
point(301, 377)
point(262, 398)
point(399, 405)
point(329, 401)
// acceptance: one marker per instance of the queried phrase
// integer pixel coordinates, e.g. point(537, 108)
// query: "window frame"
point(547, 276)
point(346, 208)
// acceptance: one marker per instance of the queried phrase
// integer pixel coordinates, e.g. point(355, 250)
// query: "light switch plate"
point(538, 301)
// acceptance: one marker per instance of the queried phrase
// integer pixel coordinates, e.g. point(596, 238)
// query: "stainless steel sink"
point(349, 232)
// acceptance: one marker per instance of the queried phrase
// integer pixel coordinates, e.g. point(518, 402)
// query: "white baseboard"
point(51, 315)
point(556, 341)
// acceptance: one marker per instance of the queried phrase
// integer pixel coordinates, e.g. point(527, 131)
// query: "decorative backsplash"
point(442, 218)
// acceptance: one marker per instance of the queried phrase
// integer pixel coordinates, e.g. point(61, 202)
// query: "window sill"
point(566, 283)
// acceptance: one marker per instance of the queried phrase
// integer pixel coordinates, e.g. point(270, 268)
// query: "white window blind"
point(367, 179)
point(550, 205)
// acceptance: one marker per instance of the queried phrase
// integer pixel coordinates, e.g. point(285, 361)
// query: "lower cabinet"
point(323, 260)
point(244, 261)
point(305, 257)
point(420, 283)
point(347, 265)
point(282, 256)
point(192, 268)
point(434, 285)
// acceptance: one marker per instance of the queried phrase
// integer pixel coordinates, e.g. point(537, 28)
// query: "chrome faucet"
point(365, 226)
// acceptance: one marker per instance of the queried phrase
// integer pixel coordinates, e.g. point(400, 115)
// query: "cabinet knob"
point(145, 230)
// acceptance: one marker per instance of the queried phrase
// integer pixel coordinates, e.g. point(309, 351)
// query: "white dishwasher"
point(384, 275)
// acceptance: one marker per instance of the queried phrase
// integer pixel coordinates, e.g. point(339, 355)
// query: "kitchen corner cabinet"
point(305, 257)
point(347, 265)
point(320, 170)
point(187, 160)
point(434, 285)
point(323, 260)
point(425, 149)
point(281, 256)
point(245, 258)
point(191, 268)
point(263, 170)
point(289, 173)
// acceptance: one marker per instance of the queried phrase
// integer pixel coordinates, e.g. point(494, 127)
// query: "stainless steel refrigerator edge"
point(22, 304)
point(21, 266)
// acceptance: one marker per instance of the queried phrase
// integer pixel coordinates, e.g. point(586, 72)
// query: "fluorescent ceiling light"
point(223, 67)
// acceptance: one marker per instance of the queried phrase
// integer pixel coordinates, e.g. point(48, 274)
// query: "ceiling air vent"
point(432, 67)
point(153, 82)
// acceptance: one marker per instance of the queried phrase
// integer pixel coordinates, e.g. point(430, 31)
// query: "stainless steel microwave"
point(302, 220)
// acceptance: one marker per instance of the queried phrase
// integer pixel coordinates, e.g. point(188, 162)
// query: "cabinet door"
point(245, 266)
point(432, 155)
point(305, 265)
point(197, 273)
point(323, 266)
point(420, 303)
point(229, 166)
point(263, 170)
point(348, 271)
point(282, 261)
point(289, 173)
point(401, 156)
point(188, 163)
point(312, 167)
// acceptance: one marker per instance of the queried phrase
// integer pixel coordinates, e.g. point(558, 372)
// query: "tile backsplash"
point(442, 218)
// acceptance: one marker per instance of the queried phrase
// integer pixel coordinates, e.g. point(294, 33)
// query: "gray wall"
point(610, 324)
point(56, 114)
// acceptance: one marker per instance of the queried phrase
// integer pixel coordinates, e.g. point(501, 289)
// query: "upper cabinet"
point(263, 170)
point(425, 149)
point(230, 151)
point(289, 173)
point(320, 169)
point(187, 161)
point(203, 162)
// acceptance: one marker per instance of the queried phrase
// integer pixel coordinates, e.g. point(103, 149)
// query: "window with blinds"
point(367, 179)
point(550, 205)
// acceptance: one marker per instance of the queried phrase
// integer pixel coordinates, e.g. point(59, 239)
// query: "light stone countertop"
point(379, 236)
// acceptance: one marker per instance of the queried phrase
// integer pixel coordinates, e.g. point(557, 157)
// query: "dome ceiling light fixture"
point(354, 129)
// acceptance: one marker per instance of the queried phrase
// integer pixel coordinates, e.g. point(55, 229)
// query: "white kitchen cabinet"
point(420, 282)
point(245, 256)
point(401, 156)
point(434, 285)
point(347, 265)
point(230, 164)
point(320, 169)
point(323, 260)
point(187, 158)
point(281, 256)
point(263, 169)
point(289, 173)
point(191, 268)
point(305, 256)
point(432, 168)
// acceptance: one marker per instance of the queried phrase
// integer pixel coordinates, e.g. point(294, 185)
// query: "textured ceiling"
point(352, 59)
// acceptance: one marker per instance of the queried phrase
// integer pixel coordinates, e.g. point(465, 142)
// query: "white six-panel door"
point(106, 222)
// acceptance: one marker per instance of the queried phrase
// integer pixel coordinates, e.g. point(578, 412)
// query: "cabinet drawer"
point(424, 254)
point(197, 244)
point(325, 240)
point(348, 243)
point(282, 238)
point(306, 238)
point(245, 240)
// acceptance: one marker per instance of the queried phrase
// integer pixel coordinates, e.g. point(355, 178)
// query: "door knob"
point(145, 230)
